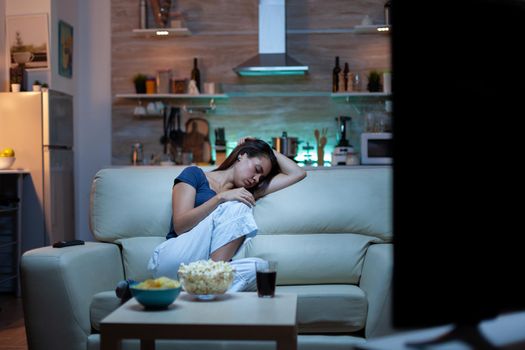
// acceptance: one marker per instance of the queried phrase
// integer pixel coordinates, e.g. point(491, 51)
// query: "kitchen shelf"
point(359, 94)
point(163, 31)
point(372, 29)
point(347, 95)
point(187, 108)
point(171, 96)
point(359, 29)
point(279, 94)
point(355, 96)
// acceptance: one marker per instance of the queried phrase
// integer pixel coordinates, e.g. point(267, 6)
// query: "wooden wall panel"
point(224, 34)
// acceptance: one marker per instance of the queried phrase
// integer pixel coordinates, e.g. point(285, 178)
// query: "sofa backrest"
point(334, 213)
point(331, 201)
point(320, 228)
point(131, 202)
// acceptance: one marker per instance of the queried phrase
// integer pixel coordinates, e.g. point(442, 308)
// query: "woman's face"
point(250, 171)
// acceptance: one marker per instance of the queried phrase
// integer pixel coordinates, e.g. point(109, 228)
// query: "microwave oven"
point(376, 148)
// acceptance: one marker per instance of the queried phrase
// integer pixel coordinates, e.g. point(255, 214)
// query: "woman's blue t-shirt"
point(195, 177)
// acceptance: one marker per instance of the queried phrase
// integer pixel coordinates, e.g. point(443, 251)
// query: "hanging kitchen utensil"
point(197, 139)
point(164, 139)
point(176, 135)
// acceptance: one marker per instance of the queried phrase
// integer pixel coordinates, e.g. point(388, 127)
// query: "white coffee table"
point(233, 316)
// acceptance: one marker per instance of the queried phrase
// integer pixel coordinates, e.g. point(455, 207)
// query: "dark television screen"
point(458, 82)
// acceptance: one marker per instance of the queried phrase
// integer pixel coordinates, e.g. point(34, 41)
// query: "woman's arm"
point(290, 173)
point(186, 216)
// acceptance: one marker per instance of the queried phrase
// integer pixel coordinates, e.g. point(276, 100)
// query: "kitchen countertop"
point(307, 168)
point(14, 171)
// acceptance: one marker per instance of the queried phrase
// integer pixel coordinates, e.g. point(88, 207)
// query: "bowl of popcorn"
point(156, 293)
point(205, 279)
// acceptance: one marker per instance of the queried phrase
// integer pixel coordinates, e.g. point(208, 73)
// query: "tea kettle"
point(285, 145)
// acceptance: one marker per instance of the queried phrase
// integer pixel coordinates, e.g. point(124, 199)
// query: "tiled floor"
point(12, 330)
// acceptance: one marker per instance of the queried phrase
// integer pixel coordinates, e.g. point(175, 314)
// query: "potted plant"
point(37, 86)
point(374, 81)
point(15, 83)
point(45, 87)
point(140, 83)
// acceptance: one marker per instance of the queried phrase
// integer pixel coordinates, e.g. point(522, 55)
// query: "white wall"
point(93, 107)
point(3, 70)
point(90, 84)
point(65, 10)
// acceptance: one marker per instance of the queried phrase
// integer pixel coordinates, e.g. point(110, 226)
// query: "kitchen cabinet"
point(11, 184)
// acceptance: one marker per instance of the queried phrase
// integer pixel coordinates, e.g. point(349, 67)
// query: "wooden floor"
point(12, 330)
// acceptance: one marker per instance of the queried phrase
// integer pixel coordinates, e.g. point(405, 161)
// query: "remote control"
point(62, 244)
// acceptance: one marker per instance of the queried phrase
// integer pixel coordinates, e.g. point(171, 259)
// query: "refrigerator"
point(39, 127)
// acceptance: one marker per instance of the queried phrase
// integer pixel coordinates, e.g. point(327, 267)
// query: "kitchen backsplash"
point(220, 42)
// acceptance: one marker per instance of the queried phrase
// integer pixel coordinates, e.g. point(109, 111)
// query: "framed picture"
point(27, 40)
point(65, 49)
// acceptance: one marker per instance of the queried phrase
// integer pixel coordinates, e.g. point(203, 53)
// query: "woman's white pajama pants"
point(229, 221)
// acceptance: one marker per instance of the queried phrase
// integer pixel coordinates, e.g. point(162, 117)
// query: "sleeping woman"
point(212, 212)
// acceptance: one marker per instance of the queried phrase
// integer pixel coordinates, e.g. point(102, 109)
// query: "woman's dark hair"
point(254, 148)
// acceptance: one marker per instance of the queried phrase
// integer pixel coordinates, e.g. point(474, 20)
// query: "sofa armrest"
point(376, 281)
point(57, 288)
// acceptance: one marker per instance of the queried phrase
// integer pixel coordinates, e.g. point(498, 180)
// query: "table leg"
point(147, 344)
point(287, 344)
point(109, 343)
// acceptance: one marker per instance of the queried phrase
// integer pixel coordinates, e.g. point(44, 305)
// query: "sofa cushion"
point(331, 201)
point(329, 307)
point(135, 255)
point(320, 258)
point(102, 304)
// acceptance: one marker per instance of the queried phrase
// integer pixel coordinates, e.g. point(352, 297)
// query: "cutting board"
point(197, 140)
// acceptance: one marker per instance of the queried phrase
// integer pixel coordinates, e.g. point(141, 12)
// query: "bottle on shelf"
point(356, 81)
point(387, 12)
point(196, 74)
point(346, 72)
point(335, 75)
point(143, 15)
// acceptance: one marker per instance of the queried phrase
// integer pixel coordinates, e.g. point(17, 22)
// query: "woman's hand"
point(240, 194)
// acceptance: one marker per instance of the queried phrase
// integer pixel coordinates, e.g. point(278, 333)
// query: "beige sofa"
point(331, 233)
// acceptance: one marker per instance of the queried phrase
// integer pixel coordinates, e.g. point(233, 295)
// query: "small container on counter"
point(352, 158)
point(163, 81)
point(151, 85)
point(137, 154)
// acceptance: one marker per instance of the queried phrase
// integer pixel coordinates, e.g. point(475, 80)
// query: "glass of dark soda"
point(266, 276)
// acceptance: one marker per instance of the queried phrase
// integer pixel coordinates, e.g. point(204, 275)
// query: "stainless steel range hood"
point(272, 58)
